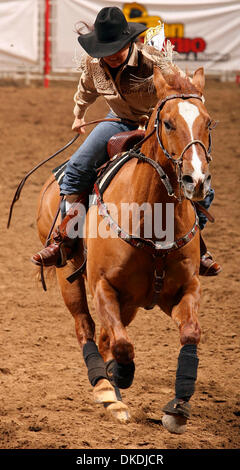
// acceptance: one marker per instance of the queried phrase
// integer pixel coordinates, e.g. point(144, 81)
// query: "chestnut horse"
point(123, 272)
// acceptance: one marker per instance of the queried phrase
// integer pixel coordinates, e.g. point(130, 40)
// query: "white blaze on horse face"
point(190, 112)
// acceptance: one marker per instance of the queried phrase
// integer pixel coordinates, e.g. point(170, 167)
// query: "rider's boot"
point(62, 245)
point(208, 267)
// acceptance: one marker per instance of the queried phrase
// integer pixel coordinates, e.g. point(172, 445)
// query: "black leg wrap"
point(122, 374)
point(94, 362)
point(186, 372)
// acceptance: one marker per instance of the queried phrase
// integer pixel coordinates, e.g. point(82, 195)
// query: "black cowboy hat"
point(111, 33)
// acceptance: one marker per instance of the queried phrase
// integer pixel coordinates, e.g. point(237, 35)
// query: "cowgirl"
point(113, 58)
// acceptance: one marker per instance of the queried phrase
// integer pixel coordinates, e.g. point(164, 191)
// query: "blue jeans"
point(205, 203)
point(80, 173)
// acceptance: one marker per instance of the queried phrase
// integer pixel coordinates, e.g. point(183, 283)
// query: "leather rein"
point(23, 181)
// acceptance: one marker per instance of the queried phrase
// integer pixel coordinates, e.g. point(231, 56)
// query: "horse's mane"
point(179, 81)
point(175, 77)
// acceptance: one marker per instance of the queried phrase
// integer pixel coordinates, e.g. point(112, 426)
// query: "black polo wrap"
point(186, 372)
point(94, 362)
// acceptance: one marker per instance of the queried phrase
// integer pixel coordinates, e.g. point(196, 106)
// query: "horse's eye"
point(167, 125)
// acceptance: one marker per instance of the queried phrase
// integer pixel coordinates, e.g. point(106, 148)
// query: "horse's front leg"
point(185, 315)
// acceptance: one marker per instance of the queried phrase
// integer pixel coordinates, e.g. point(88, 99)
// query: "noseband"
point(178, 162)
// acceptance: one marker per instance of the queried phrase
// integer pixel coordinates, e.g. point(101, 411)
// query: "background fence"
point(38, 37)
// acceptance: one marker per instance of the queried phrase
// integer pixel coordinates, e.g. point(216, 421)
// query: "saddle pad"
point(59, 172)
point(111, 170)
point(106, 174)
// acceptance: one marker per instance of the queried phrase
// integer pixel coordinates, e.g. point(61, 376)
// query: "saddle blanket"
point(59, 172)
point(105, 173)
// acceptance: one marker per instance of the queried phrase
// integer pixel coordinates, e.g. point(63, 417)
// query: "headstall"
point(178, 161)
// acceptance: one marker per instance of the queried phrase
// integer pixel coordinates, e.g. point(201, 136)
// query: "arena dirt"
point(46, 399)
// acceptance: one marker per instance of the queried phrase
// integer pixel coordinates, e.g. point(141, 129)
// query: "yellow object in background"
point(138, 13)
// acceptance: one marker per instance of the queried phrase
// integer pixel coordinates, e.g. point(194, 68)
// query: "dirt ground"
point(46, 399)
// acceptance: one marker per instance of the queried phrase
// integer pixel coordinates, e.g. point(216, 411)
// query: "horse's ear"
point(159, 81)
point(198, 79)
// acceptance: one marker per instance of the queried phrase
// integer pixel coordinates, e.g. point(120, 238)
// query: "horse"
point(124, 272)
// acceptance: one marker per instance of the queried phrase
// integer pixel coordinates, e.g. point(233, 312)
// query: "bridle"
point(178, 162)
point(135, 151)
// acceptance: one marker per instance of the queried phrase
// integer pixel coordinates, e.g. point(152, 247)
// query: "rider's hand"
point(76, 125)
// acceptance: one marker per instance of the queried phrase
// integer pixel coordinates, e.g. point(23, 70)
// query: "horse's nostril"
point(187, 179)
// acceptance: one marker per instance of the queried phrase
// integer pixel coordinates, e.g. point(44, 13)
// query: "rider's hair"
point(83, 28)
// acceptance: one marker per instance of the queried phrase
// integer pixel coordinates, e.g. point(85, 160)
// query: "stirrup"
point(63, 256)
point(209, 267)
point(59, 257)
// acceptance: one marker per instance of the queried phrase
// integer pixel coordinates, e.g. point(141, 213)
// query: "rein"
point(23, 181)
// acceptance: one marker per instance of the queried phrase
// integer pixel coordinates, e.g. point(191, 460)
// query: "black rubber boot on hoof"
point(178, 407)
point(109, 371)
point(122, 374)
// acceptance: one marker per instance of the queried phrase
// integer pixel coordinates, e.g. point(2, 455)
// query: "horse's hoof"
point(119, 411)
point(104, 392)
point(175, 424)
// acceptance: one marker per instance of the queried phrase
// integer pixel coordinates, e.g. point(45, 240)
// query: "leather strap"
point(155, 248)
point(204, 211)
point(23, 181)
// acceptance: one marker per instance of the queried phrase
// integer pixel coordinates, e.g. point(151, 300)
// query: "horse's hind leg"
point(108, 310)
point(74, 296)
point(114, 345)
point(121, 375)
point(118, 410)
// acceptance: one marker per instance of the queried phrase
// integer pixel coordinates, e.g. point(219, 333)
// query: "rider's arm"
point(86, 93)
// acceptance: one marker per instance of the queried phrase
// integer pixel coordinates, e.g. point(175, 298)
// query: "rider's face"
point(117, 59)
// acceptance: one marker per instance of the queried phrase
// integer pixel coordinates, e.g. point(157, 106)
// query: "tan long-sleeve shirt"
point(131, 95)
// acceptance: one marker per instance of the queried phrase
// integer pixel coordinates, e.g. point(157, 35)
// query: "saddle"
point(124, 141)
point(118, 143)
